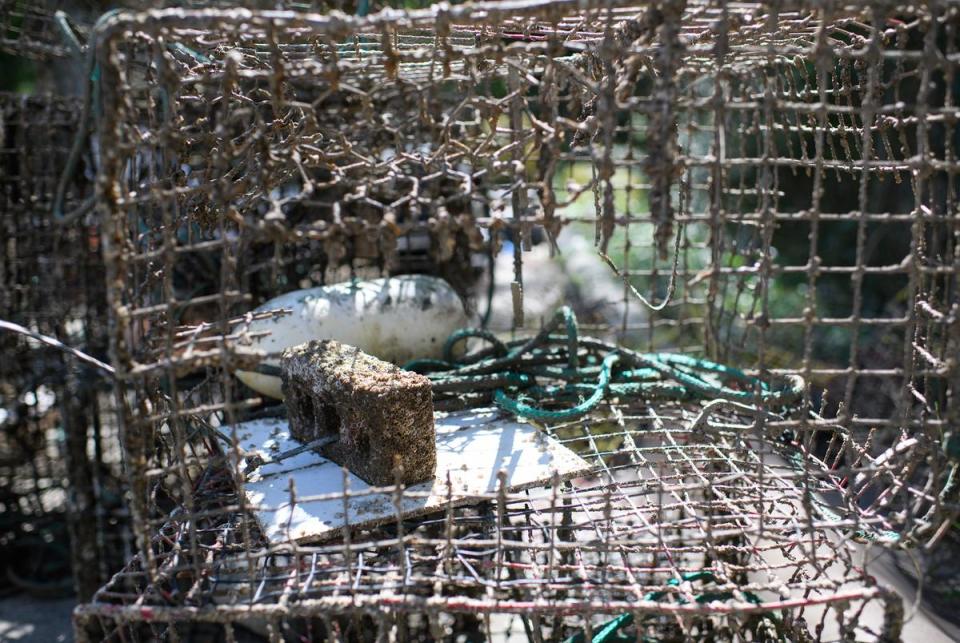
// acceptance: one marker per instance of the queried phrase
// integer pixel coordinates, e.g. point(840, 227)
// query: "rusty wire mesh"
point(31, 28)
point(62, 502)
point(800, 155)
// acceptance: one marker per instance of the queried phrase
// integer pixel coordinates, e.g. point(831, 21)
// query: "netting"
point(775, 179)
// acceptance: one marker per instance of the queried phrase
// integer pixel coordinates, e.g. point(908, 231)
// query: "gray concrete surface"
point(32, 620)
point(923, 621)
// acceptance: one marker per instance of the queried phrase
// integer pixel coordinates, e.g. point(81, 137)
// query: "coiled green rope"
point(588, 370)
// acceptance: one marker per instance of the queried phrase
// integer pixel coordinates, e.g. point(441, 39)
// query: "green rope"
point(585, 371)
point(590, 371)
point(518, 407)
point(610, 631)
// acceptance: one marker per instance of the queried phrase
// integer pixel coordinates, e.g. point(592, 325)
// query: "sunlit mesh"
point(759, 168)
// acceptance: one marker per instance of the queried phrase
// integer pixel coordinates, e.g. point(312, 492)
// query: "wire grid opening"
point(246, 154)
point(62, 495)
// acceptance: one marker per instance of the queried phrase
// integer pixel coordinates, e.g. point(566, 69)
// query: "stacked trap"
point(749, 170)
point(61, 500)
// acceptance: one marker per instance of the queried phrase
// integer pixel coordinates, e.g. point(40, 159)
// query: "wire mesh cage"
point(772, 182)
point(33, 29)
point(29, 29)
point(62, 499)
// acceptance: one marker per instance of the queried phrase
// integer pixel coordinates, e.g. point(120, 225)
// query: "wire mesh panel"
point(29, 29)
point(675, 530)
point(32, 29)
point(62, 499)
point(747, 169)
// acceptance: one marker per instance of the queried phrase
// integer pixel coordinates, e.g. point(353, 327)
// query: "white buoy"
point(396, 319)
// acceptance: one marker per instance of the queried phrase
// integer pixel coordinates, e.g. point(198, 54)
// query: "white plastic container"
point(396, 319)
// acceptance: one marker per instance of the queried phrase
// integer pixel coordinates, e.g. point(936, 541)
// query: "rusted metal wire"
point(29, 29)
point(804, 153)
point(59, 479)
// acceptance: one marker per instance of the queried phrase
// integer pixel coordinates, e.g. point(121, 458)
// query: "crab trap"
point(62, 499)
point(30, 30)
point(770, 188)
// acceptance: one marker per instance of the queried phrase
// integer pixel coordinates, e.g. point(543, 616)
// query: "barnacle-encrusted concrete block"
point(381, 414)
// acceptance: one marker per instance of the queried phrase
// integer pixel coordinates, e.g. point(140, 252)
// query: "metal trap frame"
point(62, 497)
point(30, 30)
point(663, 502)
point(244, 154)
